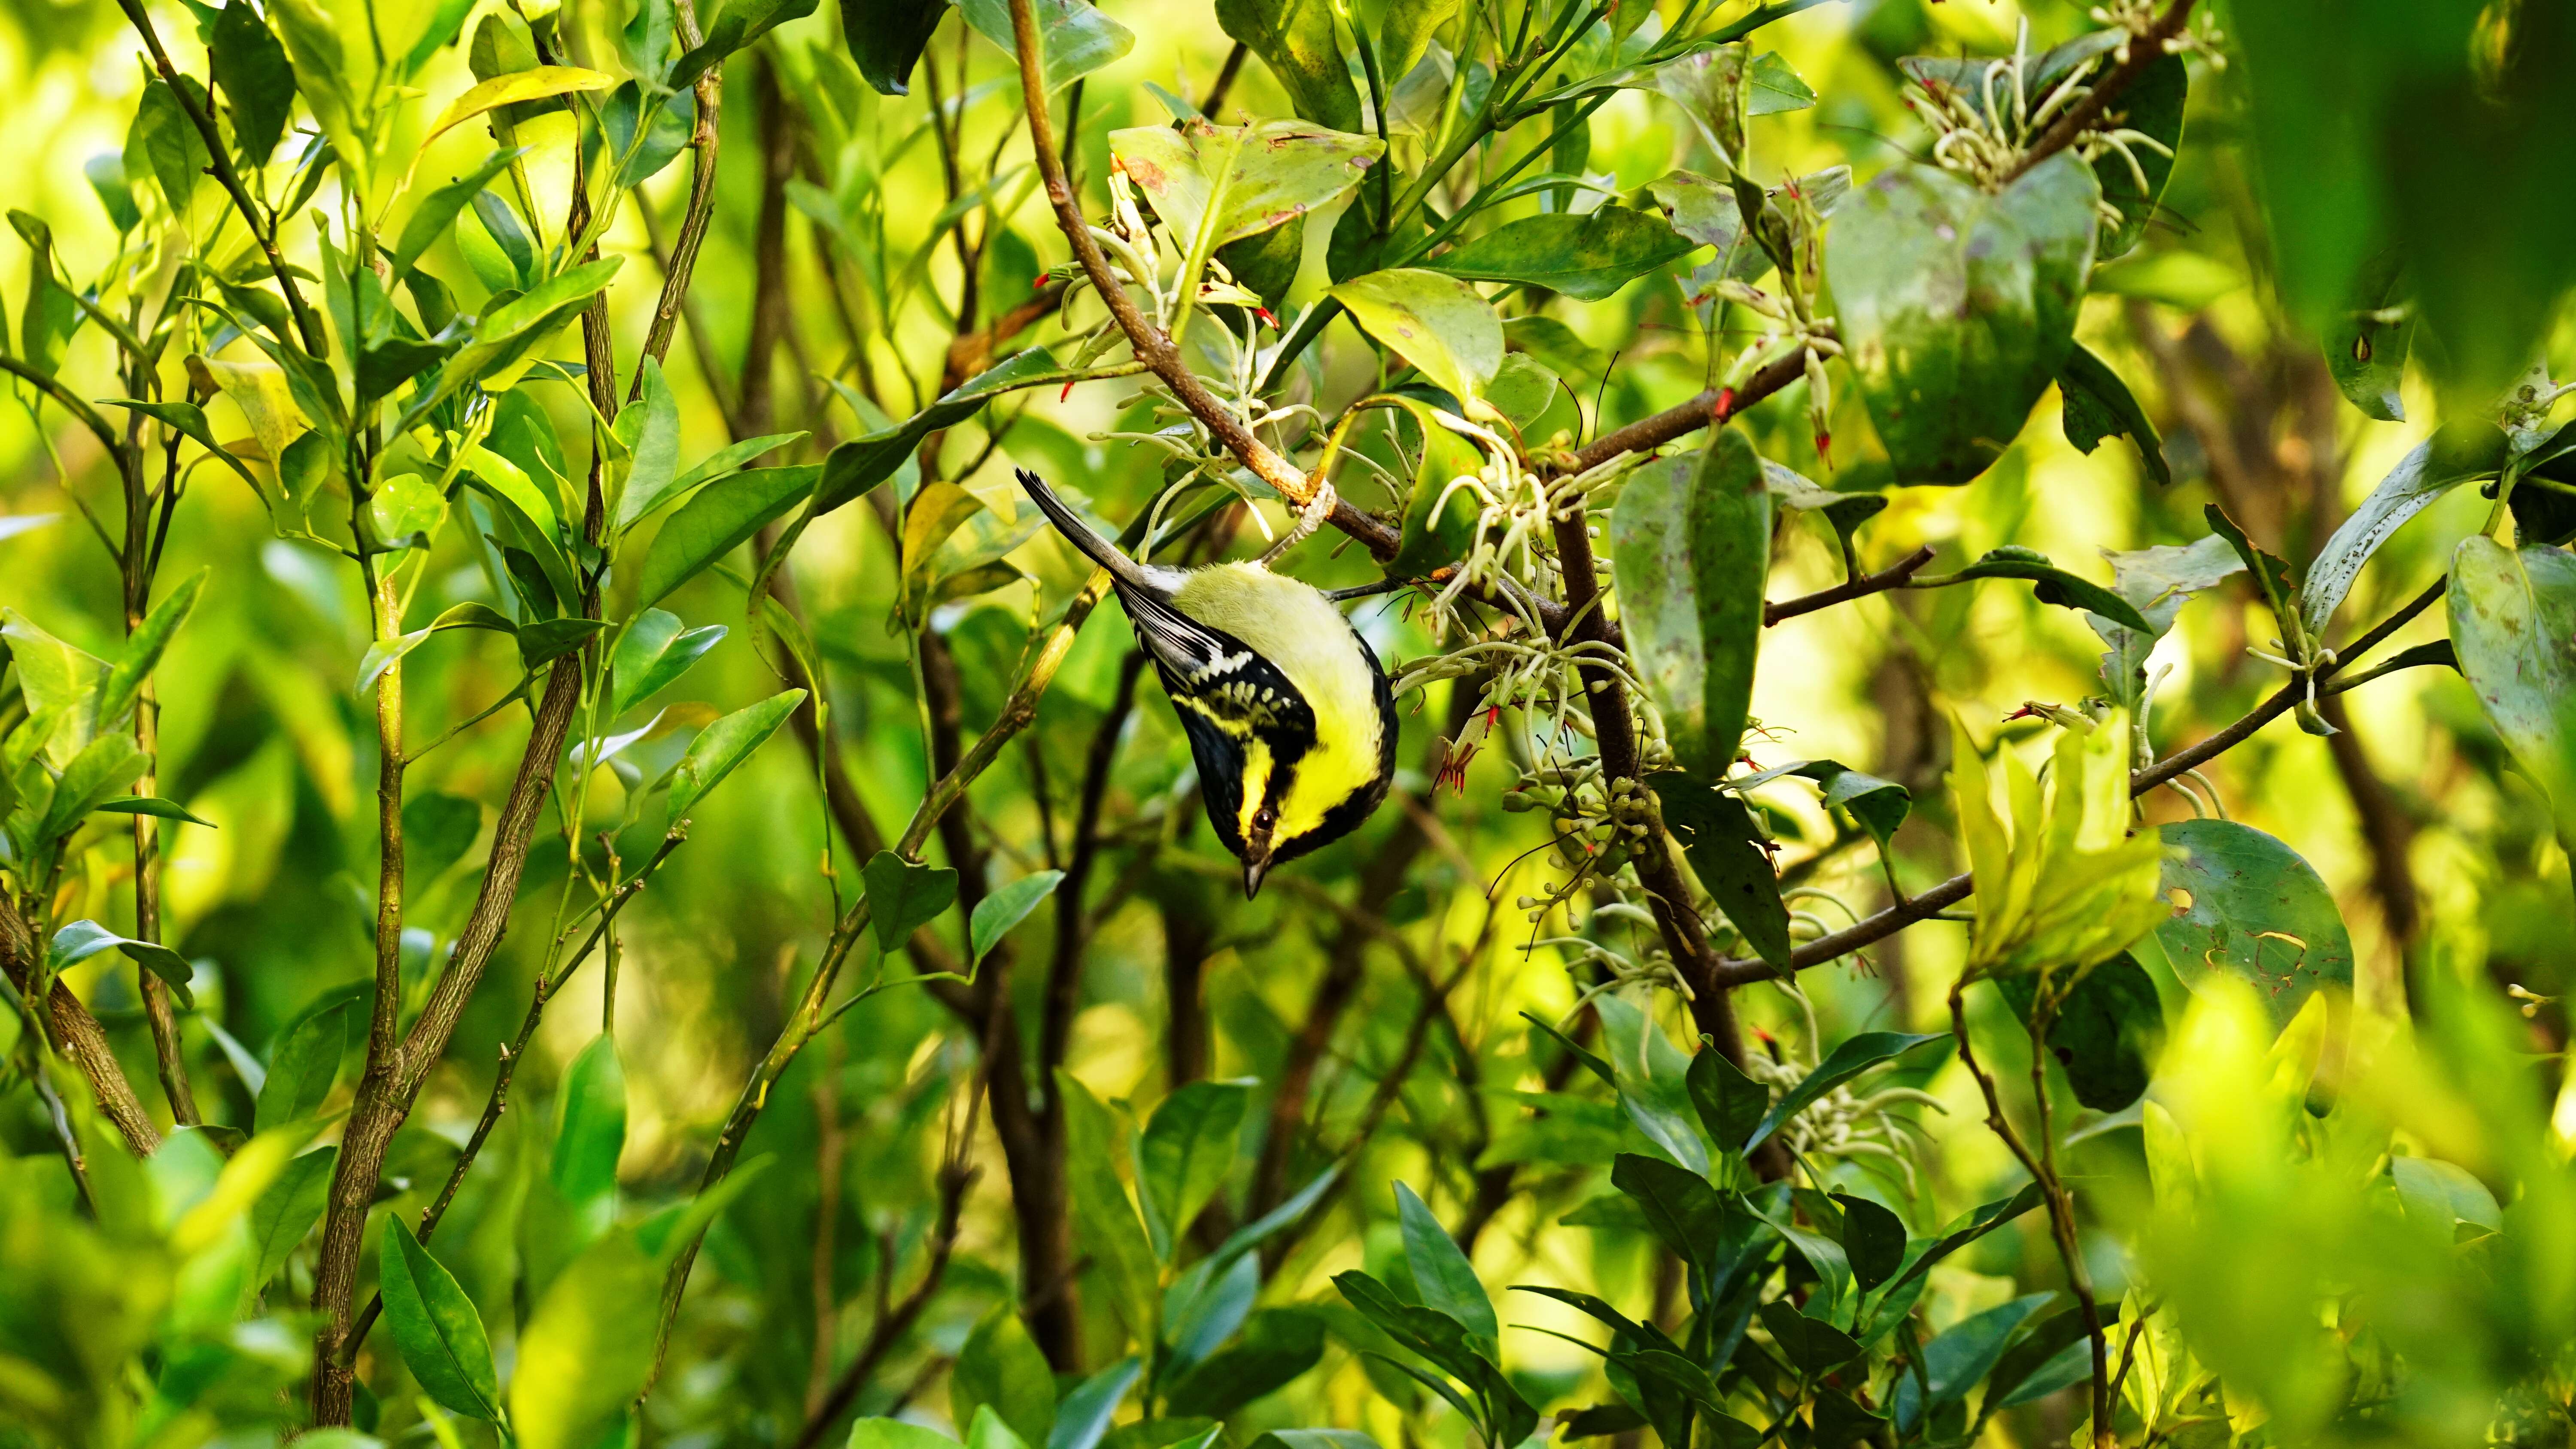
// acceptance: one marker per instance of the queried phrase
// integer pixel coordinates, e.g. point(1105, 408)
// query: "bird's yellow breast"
point(1293, 626)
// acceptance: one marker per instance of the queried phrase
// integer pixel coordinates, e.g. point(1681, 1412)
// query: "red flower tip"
point(1724, 407)
point(1066, 393)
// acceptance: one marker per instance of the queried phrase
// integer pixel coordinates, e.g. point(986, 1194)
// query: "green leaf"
point(997, 913)
point(438, 828)
point(2247, 906)
point(406, 510)
point(51, 314)
point(1075, 37)
point(1958, 308)
point(143, 649)
point(2152, 105)
point(721, 747)
point(1971, 1226)
point(1956, 1360)
point(2033, 1361)
point(2367, 342)
point(1718, 836)
point(152, 805)
point(650, 430)
point(590, 1133)
point(886, 38)
point(1186, 1151)
point(1404, 34)
point(1730, 1104)
point(435, 1327)
point(1725, 850)
point(1772, 86)
point(2512, 613)
point(1879, 805)
point(1844, 1062)
point(1873, 1239)
point(654, 651)
point(2107, 1031)
point(105, 173)
point(436, 212)
point(288, 1210)
point(513, 332)
point(854, 468)
point(1001, 1371)
point(1276, 1347)
point(1437, 323)
point(2419, 480)
point(168, 142)
point(1811, 1344)
point(719, 520)
point(2055, 585)
point(302, 1066)
point(517, 88)
point(99, 773)
point(904, 896)
point(1690, 546)
point(1295, 39)
point(1587, 257)
point(2158, 580)
point(1653, 1080)
point(1213, 185)
point(1708, 85)
point(2097, 404)
point(1680, 1207)
point(586, 1351)
point(1104, 1217)
point(1441, 1274)
point(252, 71)
point(1085, 1415)
point(722, 461)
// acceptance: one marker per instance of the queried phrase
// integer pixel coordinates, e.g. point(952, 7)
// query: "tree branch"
point(76, 1034)
point(1895, 576)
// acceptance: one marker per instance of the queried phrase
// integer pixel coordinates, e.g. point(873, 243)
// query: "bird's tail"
point(1078, 533)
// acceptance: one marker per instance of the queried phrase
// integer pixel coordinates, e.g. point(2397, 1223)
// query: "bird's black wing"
point(1189, 653)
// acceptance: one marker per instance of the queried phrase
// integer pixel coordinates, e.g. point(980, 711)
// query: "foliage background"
point(2438, 856)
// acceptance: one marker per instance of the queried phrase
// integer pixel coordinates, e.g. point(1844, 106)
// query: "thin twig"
point(1895, 576)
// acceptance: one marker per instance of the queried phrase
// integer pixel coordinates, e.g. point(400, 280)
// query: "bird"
point(1288, 712)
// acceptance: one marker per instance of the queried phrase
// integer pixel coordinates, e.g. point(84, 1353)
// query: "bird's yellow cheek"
point(1257, 765)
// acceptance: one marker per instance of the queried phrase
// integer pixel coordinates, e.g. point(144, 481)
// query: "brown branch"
point(1224, 79)
point(1895, 576)
point(1686, 418)
point(2145, 49)
point(954, 1179)
point(387, 1092)
point(1614, 733)
point(683, 261)
point(76, 1034)
point(136, 561)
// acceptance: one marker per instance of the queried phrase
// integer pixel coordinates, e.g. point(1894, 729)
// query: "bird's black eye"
point(1266, 817)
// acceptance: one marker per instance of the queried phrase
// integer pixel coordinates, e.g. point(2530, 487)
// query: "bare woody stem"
point(2042, 1167)
point(495, 1104)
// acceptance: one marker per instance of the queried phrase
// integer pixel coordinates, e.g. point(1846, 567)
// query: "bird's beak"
point(1253, 871)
